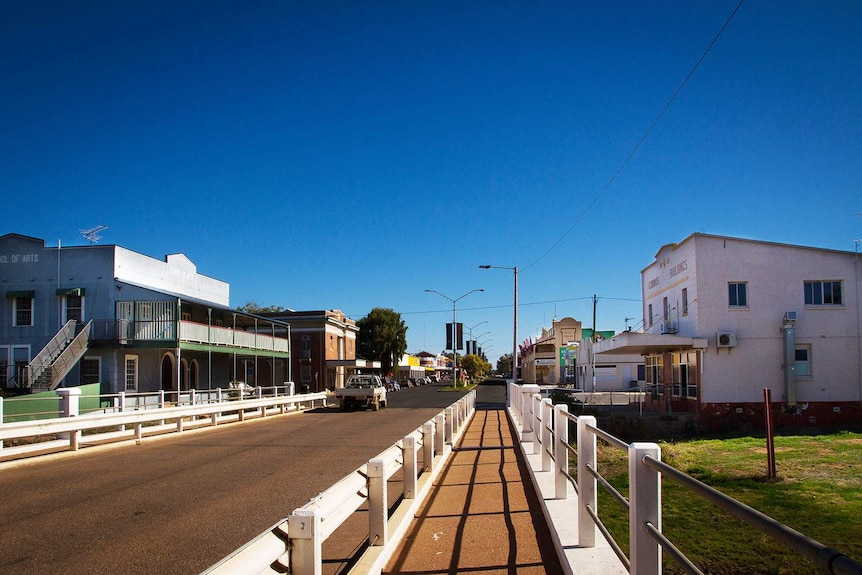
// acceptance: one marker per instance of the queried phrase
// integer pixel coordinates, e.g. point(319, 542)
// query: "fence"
point(294, 544)
point(544, 430)
point(121, 420)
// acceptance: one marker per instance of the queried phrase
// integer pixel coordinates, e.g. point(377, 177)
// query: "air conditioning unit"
point(789, 316)
point(725, 339)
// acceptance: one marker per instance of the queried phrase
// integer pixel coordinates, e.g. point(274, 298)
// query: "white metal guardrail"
point(294, 544)
point(544, 430)
point(129, 423)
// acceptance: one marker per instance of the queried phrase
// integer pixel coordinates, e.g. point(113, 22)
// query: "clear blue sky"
point(351, 155)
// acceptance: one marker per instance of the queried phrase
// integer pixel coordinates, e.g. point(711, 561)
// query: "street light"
point(515, 322)
point(454, 330)
point(470, 329)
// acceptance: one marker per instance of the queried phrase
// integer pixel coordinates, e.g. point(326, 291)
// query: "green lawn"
point(818, 492)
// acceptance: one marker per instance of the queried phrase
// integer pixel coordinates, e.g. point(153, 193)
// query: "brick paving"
point(482, 516)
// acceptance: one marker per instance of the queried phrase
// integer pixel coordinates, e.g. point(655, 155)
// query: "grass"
point(818, 492)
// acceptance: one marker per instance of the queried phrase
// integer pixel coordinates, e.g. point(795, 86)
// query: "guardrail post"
point(161, 404)
point(219, 397)
point(587, 496)
point(122, 406)
point(644, 507)
point(193, 396)
point(409, 455)
point(527, 419)
point(70, 407)
point(378, 506)
point(450, 435)
point(561, 454)
point(428, 446)
point(291, 387)
point(440, 444)
point(547, 442)
point(306, 554)
point(536, 407)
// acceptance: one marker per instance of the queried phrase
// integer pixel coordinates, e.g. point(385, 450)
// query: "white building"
point(105, 314)
point(726, 318)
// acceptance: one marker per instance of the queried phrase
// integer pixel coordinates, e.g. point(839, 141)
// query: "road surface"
point(180, 503)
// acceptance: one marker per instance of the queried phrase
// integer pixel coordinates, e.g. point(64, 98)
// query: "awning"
point(71, 291)
point(647, 343)
point(21, 293)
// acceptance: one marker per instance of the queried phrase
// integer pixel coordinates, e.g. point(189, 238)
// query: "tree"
point(252, 306)
point(504, 364)
point(382, 337)
point(474, 365)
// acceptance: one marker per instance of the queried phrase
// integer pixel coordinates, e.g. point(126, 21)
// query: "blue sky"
point(351, 155)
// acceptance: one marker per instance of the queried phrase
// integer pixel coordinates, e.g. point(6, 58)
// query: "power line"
point(641, 141)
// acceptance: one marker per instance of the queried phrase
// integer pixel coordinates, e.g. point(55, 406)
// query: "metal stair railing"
point(52, 350)
point(70, 356)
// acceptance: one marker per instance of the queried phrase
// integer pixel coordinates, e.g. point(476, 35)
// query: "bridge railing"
point(294, 544)
point(133, 422)
point(544, 432)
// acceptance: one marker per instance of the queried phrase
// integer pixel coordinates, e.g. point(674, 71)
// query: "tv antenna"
point(92, 233)
point(628, 319)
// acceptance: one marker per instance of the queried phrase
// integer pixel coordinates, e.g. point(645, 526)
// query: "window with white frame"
point(649, 312)
point(684, 301)
point(803, 361)
point(131, 373)
point(73, 308)
point(737, 294)
point(23, 312)
point(829, 292)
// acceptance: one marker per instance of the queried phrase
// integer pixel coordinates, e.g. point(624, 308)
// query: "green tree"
point(504, 364)
point(473, 365)
point(382, 337)
point(252, 306)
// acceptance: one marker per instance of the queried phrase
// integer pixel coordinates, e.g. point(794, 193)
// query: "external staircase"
point(58, 357)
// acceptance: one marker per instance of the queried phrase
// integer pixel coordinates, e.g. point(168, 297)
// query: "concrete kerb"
point(561, 516)
point(375, 558)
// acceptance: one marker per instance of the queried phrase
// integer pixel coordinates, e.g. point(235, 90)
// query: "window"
point(737, 294)
point(91, 370)
point(186, 316)
point(649, 311)
point(131, 373)
point(654, 368)
point(305, 353)
point(665, 309)
point(684, 301)
point(823, 293)
point(803, 361)
point(685, 374)
point(74, 307)
point(305, 373)
point(23, 312)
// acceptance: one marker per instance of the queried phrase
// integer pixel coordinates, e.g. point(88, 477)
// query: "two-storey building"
point(106, 314)
point(726, 318)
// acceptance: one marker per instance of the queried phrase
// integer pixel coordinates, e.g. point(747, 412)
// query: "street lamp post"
point(470, 329)
point(454, 330)
point(515, 321)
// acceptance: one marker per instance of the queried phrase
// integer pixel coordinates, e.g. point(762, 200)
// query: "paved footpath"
point(482, 516)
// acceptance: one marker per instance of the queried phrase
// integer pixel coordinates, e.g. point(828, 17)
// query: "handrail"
point(827, 559)
point(644, 501)
point(74, 426)
point(294, 544)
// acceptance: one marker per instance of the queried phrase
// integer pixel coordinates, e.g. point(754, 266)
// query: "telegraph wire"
point(641, 141)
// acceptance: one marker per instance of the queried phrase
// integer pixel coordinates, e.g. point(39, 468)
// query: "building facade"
point(324, 344)
point(726, 318)
point(105, 314)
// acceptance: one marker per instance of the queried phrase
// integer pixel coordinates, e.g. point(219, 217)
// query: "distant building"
point(324, 344)
point(105, 314)
point(562, 355)
point(726, 318)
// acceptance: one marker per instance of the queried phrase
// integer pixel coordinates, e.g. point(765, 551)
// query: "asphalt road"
point(180, 503)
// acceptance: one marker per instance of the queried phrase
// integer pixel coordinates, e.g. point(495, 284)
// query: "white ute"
point(362, 391)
